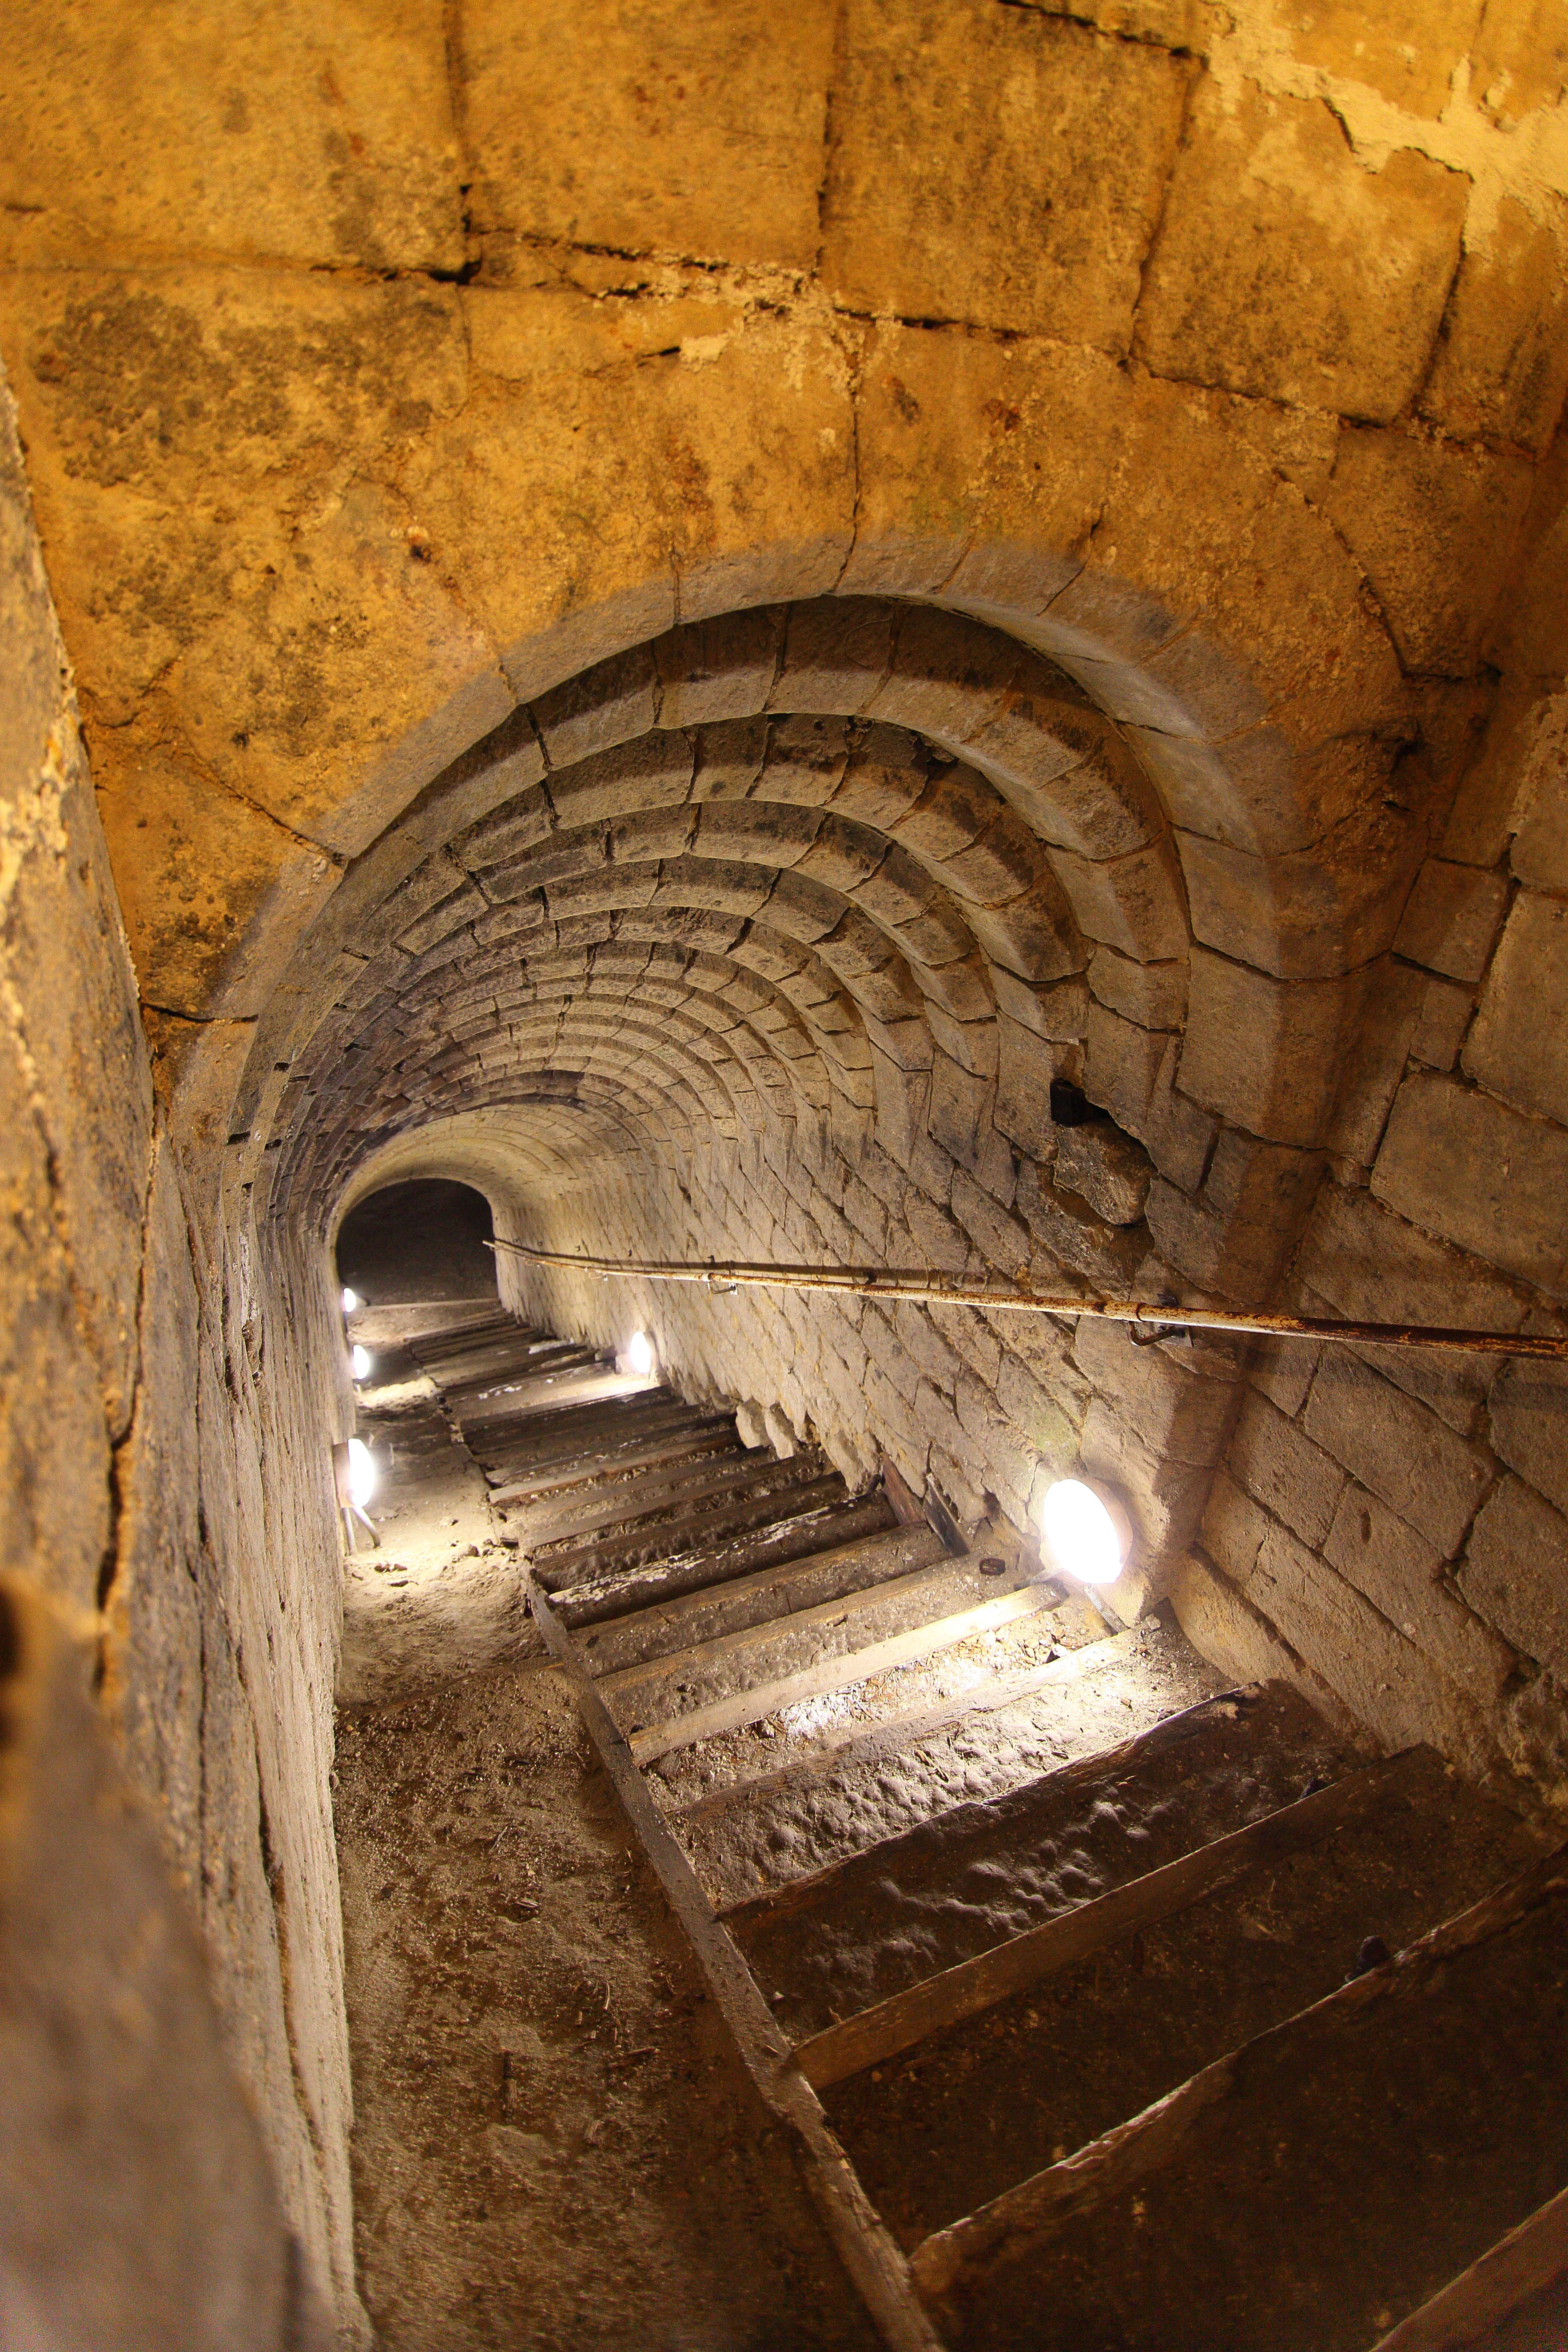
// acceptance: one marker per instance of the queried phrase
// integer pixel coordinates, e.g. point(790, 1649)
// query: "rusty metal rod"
point(933, 1285)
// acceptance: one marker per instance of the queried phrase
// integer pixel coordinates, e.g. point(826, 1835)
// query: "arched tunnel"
point(897, 676)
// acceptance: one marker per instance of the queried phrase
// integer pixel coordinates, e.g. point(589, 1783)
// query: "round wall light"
point(350, 1300)
point(361, 1480)
point(361, 1360)
point(1085, 1532)
point(639, 1354)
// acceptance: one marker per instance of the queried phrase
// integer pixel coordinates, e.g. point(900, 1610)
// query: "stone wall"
point(1397, 1518)
point(172, 2133)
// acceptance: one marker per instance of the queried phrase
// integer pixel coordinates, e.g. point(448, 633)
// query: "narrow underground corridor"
point(1005, 1875)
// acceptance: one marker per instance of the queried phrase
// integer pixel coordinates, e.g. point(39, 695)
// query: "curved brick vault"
point(769, 936)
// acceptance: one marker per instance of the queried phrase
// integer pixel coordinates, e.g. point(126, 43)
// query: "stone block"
point(1501, 369)
point(1519, 1046)
point(1069, 1234)
point(1527, 1419)
point(1427, 1472)
point(1445, 1010)
point(1281, 1370)
point(1512, 1572)
point(1234, 1237)
point(1165, 1498)
point(1522, 741)
point(1127, 903)
point(1281, 1468)
point(1408, 53)
point(1434, 523)
point(1540, 854)
point(1064, 768)
point(1033, 215)
point(1471, 1170)
point(1364, 1264)
point(1027, 1063)
point(1401, 1575)
point(1311, 914)
point(718, 670)
point(1287, 269)
point(1375, 1063)
point(1267, 1052)
point(330, 142)
point(1106, 1168)
point(1175, 1411)
point(1154, 995)
point(1381, 1675)
point(697, 135)
point(144, 2200)
point(1452, 919)
point(1000, 1240)
point(1224, 1627)
point(1233, 1528)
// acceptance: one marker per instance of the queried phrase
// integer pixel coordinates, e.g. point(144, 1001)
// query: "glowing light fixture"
point(350, 1300)
point(361, 1360)
point(639, 1354)
point(362, 1474)
point(1086, 1533)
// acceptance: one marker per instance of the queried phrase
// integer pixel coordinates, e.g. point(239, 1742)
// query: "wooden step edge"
point(705, 1531)
point(644, 1487)
point(748, 1480)
point(560, 1441)
point(603, 1388)
point(912, 1585)
point(1107, 1766)
point(954, 2259)
point(734, 1711)
point(597, 1599)
point(972, 1986)
point(663, 1616)
point(707, 1442)
point(1470, 2305)
point(869, 2251)
point(854, 1744)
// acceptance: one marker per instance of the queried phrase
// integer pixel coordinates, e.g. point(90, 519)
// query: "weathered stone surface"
point(1452, 919)
point(1435, 525)
point(207, 133)
point(697, 134)
point(138, 2206)
point(1407, 54)
point(1382, 1675)
point(1512, 1572)
point(1034, 214)
point(1287, 269)
point(1423, 1470)
point(1314, 915)
point(1519, 1047)
point(1106, 1167)
point(1502, 360)
point(1281, 1468)
point(1540, 854)
point(1528, 1422)
point(1439, 1032)
point(1372, 1266)
point(1264, 1052)
point(1386, 1559)
point(1472, 1171)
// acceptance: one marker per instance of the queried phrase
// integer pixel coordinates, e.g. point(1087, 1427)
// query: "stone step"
point(596, 1599)
point(973, 1876)
point(1307, 2187)
point(1104, 2039)
point(811, 1489)
point(712, 1440)
point(839, 1657)
point(768, 1593)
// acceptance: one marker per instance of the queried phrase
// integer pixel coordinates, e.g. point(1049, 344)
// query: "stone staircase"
point(1216, 2035)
